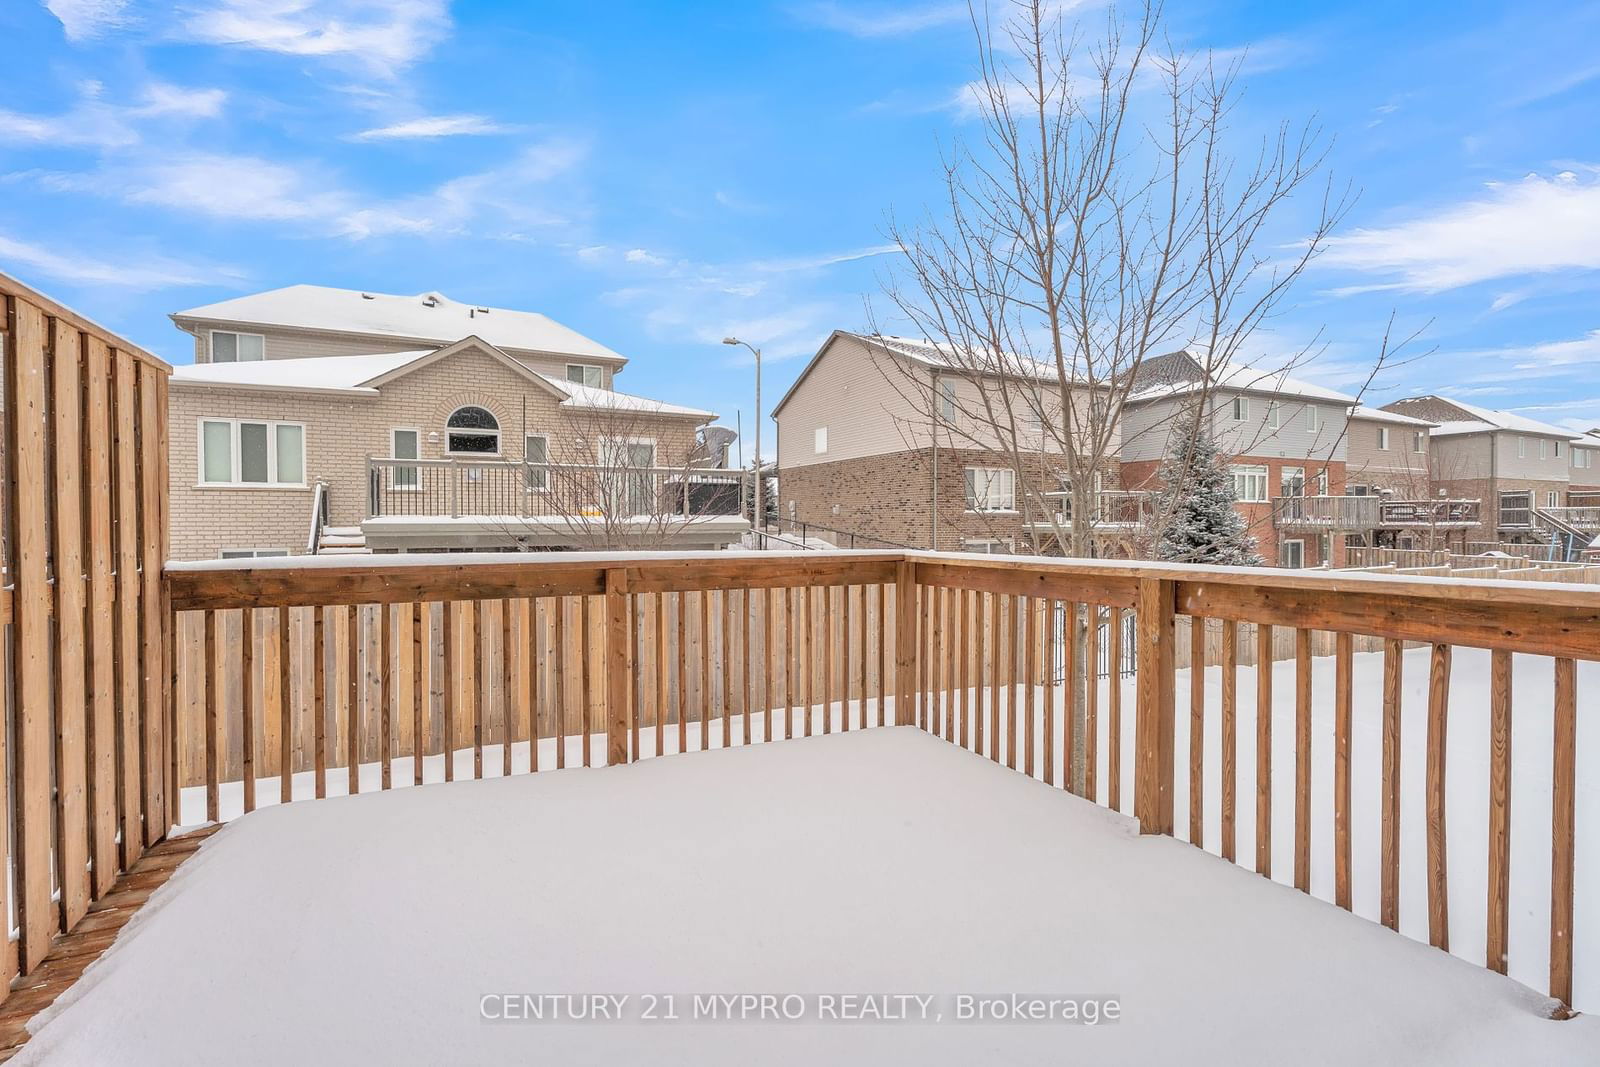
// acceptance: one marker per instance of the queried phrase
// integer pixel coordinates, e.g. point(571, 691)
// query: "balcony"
point(1577, 518)
point(1115, 510)
point(495, 503)
point(1356, 513)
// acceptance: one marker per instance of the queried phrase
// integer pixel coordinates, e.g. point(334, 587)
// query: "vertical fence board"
point(1563, 811)
point(1438, 719)
point(1498, 926)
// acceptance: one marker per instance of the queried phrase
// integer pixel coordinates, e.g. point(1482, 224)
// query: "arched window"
point(472, 429)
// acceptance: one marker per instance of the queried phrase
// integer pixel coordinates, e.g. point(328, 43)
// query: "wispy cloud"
point(879, 21)
point(1533, 226)
point(100, 268)
point(429, 127)
point(384, 36)
point(95, 123)
point(86, 19)
point(825, 259)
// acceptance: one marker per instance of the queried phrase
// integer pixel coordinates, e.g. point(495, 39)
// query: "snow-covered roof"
point(422, 317)
point(363, 375)
point(938, 354)
point(1485, 419)
point(1380, 415)
point(1244, 380)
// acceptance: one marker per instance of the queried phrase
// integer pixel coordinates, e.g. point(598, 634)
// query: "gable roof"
point(364, 375)
point(1173, 377)
point(1380, 415)
point(1484, 420)
point(426, 317)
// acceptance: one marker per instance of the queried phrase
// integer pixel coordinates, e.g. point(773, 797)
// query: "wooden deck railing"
point(433, 670)
point(84, 744)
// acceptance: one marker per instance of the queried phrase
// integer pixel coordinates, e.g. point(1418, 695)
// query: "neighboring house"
point(884, 438)
point(1389, 467)
point(316, 417)
point(1287, 440)
point(1584, 486)
point(1519, 467)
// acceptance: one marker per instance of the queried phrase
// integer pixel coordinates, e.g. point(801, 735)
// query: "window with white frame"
point(229, 347)
point(1250, 483)
point(585, 374)
point(986, 546)
point(1552, 498)
point(245, 452)
point(1292, 554)
point(947, 401)
point(1241, 408)
point(1558, 449)
point(472, 430)
point(1322, 482)
point(991, 489)
point(1383, 438)
point(253, 553)
point(1313, 418)
point(1522, 448)
point(1582, 458)
point(819, 441)
point(1419, 441)
point(404, 444)
point(1272, 415)
point(1544, 449)
point(535, 451)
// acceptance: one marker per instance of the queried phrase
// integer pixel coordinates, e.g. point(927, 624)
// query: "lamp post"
point(758, 516)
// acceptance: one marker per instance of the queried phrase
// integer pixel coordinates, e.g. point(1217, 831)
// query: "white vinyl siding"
point(1250, 484)
point(245, 452)
point(991, 489)
point(229, 347)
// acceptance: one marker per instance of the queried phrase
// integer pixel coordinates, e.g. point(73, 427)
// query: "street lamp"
point(757, 516)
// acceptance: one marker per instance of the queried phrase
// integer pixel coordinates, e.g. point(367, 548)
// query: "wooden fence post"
point(619, 673)
point(905, 642)
point(1153, 769)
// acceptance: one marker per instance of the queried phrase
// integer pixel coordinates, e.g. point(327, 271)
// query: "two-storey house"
point(317, 418)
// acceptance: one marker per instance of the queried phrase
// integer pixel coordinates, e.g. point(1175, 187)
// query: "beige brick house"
point(317, 418)
point(1519, 467)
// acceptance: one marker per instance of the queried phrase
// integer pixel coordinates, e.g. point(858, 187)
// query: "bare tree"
point(1099, 219)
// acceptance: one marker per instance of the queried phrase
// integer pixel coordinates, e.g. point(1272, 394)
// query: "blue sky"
point(657, 175)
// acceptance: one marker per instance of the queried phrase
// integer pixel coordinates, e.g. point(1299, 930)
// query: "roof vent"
point(368, 296)
point(430, 301)
point(483, 311)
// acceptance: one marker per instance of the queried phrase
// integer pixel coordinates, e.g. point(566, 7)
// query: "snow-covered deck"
point(371, 928)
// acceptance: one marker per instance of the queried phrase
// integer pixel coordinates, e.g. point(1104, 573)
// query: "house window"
point(820, 441)
point(1250, 484)
point(1322, 482)
point(1522, 448)
point(253, 553)
point(1313, 418)
point(991, 489)
point(535, 451)
point(1383, 438)
point(947, 401)
point(1272, 415)
point(237, 347)
point(1552, 498)
point(986, 546)
point(1544, 447)
point(404, 444)
point(1292, 554)
point(1558, 449)
point(473, 431)
point(584, 374)
point(242, 452)
point(1419, 441)
point(1241, 408)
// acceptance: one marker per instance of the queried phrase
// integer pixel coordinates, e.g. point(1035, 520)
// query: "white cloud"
point(162, 99)
point(109, 270)
point(1533, 226)
point(86, 19)
point(826, 259)
point(228, 187)
point(93, 123)
point(431, 126)
point(645, 258)
point(879, 21)
point(384, 35)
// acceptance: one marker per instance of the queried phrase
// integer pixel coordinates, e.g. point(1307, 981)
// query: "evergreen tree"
point(1197, 493)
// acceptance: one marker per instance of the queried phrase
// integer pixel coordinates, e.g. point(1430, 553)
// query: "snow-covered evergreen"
point(1197, 493)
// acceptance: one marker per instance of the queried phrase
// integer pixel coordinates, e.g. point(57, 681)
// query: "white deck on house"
point(366, 929)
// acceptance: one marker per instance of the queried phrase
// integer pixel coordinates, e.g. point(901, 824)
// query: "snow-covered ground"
point(370, 929)
point(1466, 792)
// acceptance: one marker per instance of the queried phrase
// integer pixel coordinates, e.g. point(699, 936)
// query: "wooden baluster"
point(1009, 668)
point(213, 758)
point(1264, 750)
point(951, 645)
point(978, 601)
point(386, 653)
point(1230, 737)
point(1563, 792)
point(1048, 654)
point(586, 682)
point(1114, 710)
point(964, 653)
point(1343, 689)
point(285, 707)
point(865, 659)
point(319, 695)
point(790, 663)
point(1069, 690)
point(994, 676)
point(1302, 760)
point(1389, 911)
point(1029, 666)
point(766, 663)
point(1497, 937)
point(883, 649)
point(558, 605)
point(844, 655)
point(683, 671)
point(247, 704)
point(618, 671)
point(827, 660)
point(935, 662)
point(1155, 726)
point(704, 597)
point(810, 667)
point(662, 668)
point(352, 631)
point(746, 692)
point(636, 610)
point(419, 692)
point(726, 621)
point(1197, 731)
point(1438, 869)
point(1091, 725)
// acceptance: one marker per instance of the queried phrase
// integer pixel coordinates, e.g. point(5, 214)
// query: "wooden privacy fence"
point(579, 659)
point(87, 774)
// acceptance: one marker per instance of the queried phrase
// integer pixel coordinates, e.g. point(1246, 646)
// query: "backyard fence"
point(88, 779)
